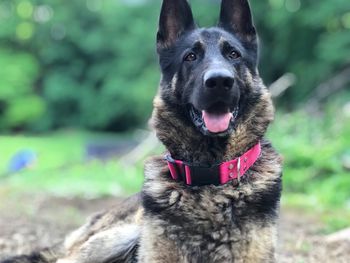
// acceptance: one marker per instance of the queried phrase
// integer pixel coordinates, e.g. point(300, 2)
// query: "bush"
point(19, 103)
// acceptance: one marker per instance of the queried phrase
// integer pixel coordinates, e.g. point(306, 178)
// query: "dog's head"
point(210, 72)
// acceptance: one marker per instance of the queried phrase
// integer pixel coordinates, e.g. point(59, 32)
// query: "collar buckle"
point(197, 175)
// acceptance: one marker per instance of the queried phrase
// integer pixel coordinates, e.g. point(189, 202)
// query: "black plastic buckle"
point(199, 175)
point(204, 175)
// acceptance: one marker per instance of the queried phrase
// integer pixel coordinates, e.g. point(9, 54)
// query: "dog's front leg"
point(114, 244)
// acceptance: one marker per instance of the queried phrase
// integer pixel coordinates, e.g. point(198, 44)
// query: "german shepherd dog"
point(215, 197)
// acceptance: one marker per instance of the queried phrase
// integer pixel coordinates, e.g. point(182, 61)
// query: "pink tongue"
point(216, 122)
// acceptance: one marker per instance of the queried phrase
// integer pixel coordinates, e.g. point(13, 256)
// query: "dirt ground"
point(31, 222)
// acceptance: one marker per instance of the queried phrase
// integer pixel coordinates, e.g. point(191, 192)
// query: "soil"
point(31, 222)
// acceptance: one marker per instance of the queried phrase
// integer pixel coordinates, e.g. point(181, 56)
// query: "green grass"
point(63, 169)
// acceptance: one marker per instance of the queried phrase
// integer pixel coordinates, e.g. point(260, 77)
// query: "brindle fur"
point(169, 221)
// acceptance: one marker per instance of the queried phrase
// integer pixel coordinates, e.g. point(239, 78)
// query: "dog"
point(215, 196)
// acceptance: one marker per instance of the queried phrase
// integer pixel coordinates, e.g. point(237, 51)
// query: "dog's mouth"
point(218, 120)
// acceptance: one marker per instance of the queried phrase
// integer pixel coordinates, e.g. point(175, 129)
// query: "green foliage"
point(19, 105)
point(308, 38)
point(92, 63)
point(96, 62)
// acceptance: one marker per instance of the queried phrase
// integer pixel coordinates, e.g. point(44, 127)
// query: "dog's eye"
point(190, 57)
point(234, 54)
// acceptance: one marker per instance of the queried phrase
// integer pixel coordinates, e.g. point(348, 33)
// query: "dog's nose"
point(219, 79)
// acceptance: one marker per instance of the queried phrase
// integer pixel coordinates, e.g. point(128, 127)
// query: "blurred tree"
point(97, 65)
point(308, 38)
point(92, 63)
point(18, 104)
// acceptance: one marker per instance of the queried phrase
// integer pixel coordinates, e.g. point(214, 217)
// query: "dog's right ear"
point(175, 19)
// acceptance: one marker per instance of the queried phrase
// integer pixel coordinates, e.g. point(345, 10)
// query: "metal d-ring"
point(235, 182)
point(239, 170)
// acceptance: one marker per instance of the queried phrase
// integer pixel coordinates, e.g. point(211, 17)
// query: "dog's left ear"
point(175, 19)
point(236, 17)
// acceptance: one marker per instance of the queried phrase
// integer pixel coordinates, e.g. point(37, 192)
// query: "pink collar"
point(216, 174)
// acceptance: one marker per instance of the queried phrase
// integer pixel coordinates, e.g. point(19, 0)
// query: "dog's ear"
point(175, 19)
point(236, 17)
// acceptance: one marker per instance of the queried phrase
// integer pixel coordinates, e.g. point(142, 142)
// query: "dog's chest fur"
point(213, 223)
